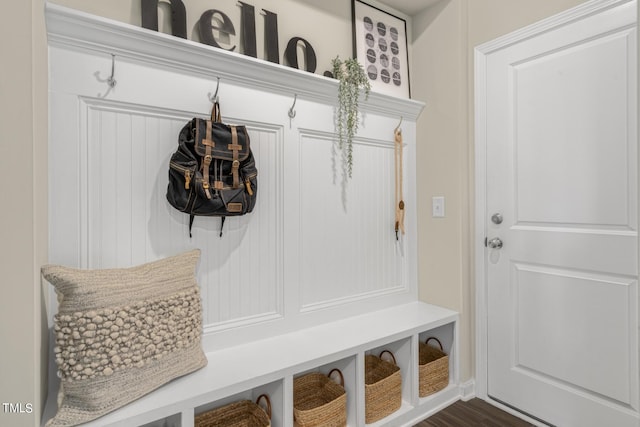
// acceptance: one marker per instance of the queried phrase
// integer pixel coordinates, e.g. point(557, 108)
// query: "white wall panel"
point(348, 246)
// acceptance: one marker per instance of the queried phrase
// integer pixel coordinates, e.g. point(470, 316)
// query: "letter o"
point(291, 54)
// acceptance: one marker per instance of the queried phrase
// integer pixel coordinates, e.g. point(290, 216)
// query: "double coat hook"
point(111, 80)
point(292, 112)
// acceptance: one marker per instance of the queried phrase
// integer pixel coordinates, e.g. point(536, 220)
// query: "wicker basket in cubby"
point(243, 413)
point(433, 368)
point(382, 388)
point(318, 401)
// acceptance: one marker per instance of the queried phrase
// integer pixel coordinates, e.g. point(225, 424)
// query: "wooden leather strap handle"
point(399, 205)
point(391, 354)
point(268, 403)
point(215, 113)
point(339, 373)
point(437, 340)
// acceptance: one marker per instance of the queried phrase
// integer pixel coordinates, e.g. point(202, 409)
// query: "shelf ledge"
point(71, 28)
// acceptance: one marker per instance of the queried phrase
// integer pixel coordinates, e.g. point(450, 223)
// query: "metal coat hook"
point(398, 127)
point(292, 112)
point(214, 99)
point(111, 81)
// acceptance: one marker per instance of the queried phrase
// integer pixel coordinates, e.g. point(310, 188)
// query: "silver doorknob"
point(495, 243)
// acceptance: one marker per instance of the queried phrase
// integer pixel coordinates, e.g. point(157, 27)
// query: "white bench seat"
point(232, 371)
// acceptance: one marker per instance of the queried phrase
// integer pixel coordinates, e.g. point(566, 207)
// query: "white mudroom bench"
point(313, 279)
point(268, 366)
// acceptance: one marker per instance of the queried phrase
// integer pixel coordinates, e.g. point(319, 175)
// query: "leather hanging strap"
point(399, 226)
point(235, 149)
point(215, 113)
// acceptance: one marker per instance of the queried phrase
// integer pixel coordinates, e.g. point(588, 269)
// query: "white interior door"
point(561, 171)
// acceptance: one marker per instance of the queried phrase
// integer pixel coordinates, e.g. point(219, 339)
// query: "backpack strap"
point(191, 217)
point(206, 162)
point(209, 145)
point(235, 164)
point(222, 218)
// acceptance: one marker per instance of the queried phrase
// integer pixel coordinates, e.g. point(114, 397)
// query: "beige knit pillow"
point(121, 333)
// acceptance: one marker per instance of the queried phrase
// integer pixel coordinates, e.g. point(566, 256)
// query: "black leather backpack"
point(213, 172)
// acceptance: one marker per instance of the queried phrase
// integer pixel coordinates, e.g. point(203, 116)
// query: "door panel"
point(566, 104)
point(562, 298)
point(570, 340)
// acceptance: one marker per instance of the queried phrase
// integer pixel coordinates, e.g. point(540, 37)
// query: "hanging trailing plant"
point(352, 78)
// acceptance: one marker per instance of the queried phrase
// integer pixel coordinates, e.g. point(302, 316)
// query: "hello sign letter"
point(214, 20)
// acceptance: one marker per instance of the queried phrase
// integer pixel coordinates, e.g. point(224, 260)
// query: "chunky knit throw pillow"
point(121, 333)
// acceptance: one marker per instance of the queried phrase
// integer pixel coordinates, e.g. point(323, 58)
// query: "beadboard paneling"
point(127, 220)
point(348, 247)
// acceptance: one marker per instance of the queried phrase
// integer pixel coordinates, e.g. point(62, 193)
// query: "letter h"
point(178, 17)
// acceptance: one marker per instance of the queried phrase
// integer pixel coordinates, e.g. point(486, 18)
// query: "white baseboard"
point(468, 390)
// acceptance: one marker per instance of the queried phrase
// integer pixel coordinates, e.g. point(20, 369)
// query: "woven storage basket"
point(433, 368)
point(244, 413)
point(382, 388)
point(319, 401)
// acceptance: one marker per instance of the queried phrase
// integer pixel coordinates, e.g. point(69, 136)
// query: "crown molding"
point(79, 30)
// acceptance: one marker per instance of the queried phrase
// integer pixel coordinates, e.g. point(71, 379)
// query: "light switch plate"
point(437, 207)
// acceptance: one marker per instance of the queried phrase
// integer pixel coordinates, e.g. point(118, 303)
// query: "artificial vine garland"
point(352, 78)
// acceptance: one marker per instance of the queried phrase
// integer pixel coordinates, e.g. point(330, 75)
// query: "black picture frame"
point(380, 45)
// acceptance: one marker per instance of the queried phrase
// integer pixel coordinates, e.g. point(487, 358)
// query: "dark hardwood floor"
point(475, 412)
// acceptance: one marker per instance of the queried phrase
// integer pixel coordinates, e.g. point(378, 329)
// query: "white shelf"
point(245, 367)
point(72, 28)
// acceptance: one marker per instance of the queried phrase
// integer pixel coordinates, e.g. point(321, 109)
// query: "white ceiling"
point(409, 7)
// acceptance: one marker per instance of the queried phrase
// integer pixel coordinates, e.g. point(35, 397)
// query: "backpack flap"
point(219, 141)
point(220, 138)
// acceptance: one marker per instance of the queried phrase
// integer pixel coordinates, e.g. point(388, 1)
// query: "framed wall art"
point(380, 45)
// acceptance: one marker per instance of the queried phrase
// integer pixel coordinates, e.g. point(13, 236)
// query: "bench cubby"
point(274, 391)
point(348, 367)
point(446, 335)
point(402, 351)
